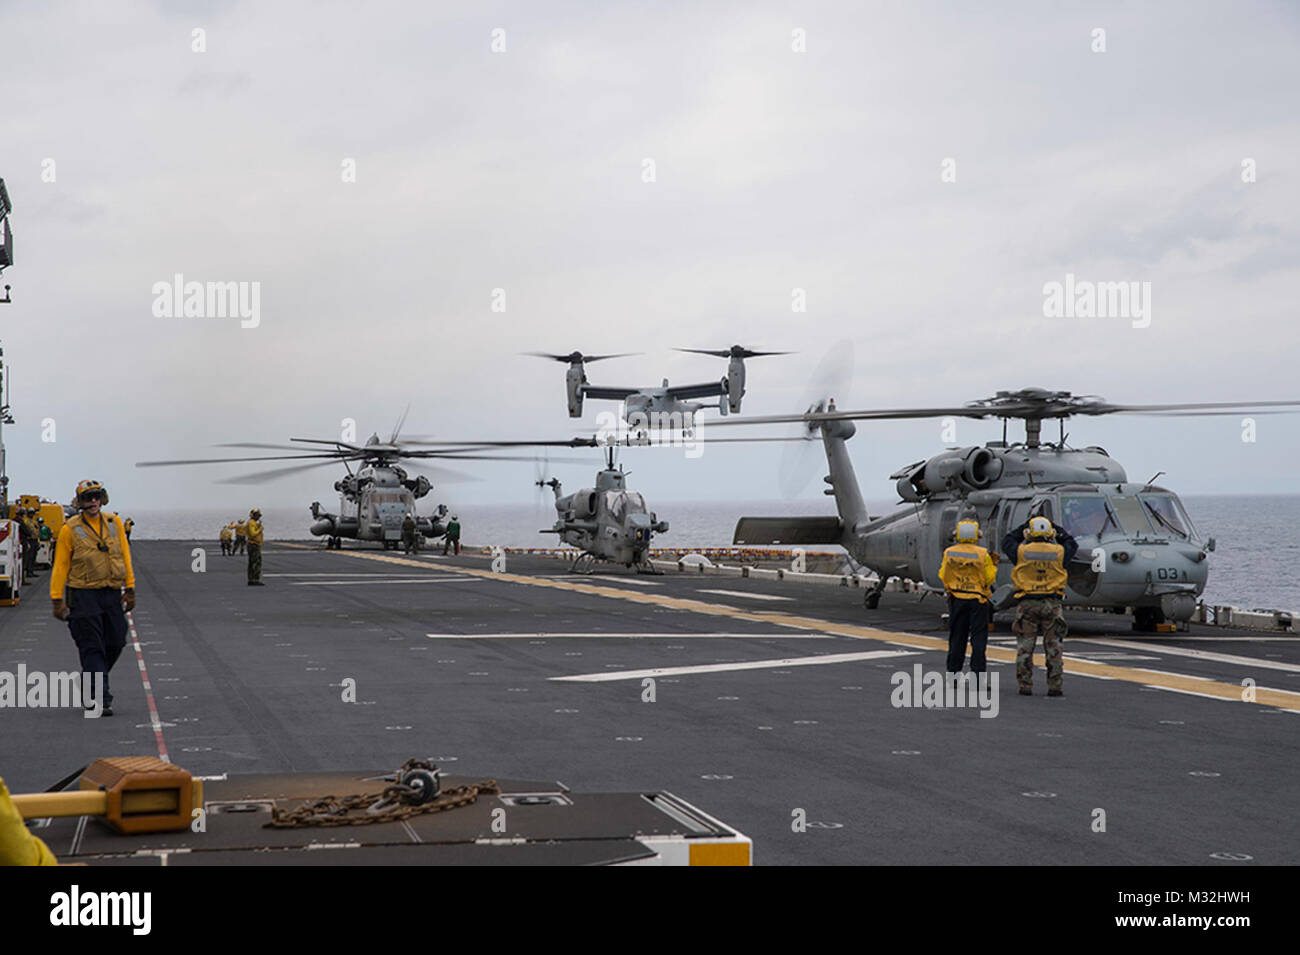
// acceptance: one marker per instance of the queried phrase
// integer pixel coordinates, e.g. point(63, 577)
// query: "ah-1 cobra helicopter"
point(607, 522)
point(1137, 547)
point(375, 499)
point(671, 400)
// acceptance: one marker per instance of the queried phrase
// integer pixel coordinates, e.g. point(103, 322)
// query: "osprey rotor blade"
point(576, 357)
point(735, 351)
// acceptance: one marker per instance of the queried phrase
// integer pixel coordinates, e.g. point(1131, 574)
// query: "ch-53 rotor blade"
point(327, 458)
point(454, 456)
point(397, 428)
point(261, 477)
point(479, 445)
point(337, 444)
point(258, 444)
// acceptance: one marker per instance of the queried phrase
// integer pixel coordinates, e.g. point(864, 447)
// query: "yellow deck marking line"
point(1284, 699)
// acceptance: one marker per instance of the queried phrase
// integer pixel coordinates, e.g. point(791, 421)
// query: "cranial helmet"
point(1039, 528)
point(90, 488)
point(968, 531)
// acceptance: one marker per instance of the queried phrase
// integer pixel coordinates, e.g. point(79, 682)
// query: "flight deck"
point(770, 705)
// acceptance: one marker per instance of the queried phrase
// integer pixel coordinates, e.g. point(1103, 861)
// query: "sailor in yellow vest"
point(92, 584)
point(241, 536)
point(1039, 578)
point(227, 540)
point(967, 573)
point(254, 532)
point(18, 846)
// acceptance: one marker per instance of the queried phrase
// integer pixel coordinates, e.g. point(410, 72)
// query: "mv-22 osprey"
point(1137, 547)
point(674, 400)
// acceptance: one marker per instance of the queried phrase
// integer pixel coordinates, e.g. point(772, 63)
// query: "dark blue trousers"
point(967, 619)
point(99, 629)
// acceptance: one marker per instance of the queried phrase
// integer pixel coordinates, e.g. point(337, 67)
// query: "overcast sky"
point(523, 170)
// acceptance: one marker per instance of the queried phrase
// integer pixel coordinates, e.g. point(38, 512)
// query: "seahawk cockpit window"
point(1167, 515)
point(1131, 515)
point(1087, 516)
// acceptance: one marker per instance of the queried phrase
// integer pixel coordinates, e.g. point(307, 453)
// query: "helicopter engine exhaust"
point(975, 468)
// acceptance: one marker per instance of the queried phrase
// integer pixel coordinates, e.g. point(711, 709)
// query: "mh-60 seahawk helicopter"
point(673, 400)
point(606, 522)
point(1137, 547)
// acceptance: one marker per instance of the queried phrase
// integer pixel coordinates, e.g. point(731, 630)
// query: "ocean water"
point(1256, 563)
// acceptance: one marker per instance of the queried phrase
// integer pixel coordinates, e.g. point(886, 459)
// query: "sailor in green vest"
point(452, 540)
point(1039, 578)
point(967, 573)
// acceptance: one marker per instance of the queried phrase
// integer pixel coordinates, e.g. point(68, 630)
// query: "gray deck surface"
point(250, 680)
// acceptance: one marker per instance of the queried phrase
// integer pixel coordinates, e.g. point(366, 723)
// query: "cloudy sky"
point(130, 157)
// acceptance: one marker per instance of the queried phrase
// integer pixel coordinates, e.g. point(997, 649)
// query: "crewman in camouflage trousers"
point(1039, 578)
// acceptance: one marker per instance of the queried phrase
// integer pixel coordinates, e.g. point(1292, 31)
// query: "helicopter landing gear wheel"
point(1146, 618)
point(871, 599)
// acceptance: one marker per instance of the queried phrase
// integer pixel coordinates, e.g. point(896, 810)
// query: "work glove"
point(128, 599)
point(61, 610)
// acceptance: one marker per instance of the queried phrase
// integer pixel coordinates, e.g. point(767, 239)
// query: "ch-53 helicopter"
point(375, 499)
point(666, 400)
point(1137, 547)
point(606, 522)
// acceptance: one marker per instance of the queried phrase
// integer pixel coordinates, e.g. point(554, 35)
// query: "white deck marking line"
point(1262, 638)
point(1282, 699)
point(635, 636)
point(743, 593)
point(323, 574)
point(381, 580)
point(1197, 654)
point(728, 667)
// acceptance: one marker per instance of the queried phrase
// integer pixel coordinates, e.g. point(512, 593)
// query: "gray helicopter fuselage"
point(608, 522)
point(1137, 547)
point(373, 503)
